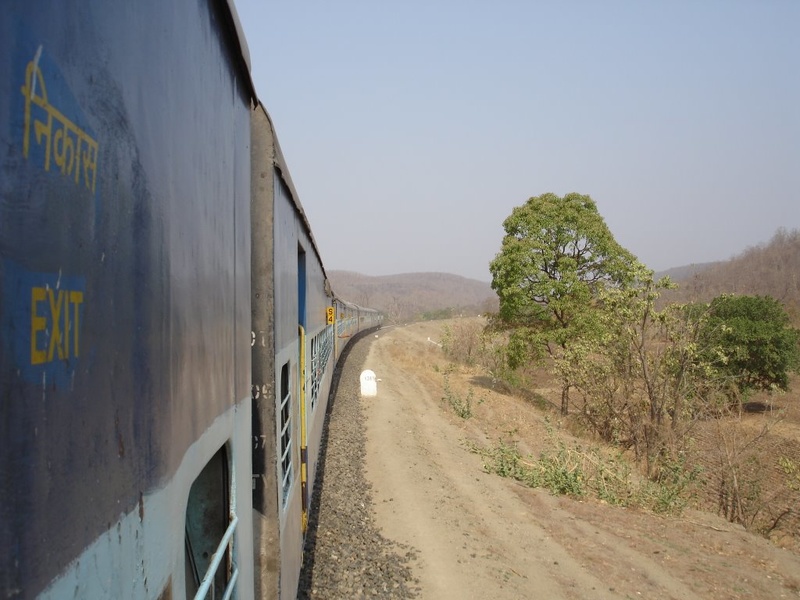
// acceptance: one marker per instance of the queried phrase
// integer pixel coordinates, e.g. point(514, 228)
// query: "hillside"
point(686, 272)
point(409, 296)
point(767, 269)
point(771, 269)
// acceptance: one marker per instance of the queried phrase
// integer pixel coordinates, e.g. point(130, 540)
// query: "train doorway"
point(301, 317)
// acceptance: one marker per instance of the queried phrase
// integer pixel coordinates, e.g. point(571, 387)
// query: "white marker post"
point(369, 384)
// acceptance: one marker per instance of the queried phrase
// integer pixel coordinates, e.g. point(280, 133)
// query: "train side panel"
point(266, 502)
point(282, 255)
point(317, 375)
point(301, 335)
point(124, 293)
point(290, 308)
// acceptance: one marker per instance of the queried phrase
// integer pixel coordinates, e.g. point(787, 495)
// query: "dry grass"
point(528, 420)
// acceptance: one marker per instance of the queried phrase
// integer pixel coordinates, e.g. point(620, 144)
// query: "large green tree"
point(758, 348)
point(557, 255)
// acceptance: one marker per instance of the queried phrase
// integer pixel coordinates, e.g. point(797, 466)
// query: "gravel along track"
point(345, 554)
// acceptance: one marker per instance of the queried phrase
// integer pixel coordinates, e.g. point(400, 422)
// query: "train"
point(169, 332)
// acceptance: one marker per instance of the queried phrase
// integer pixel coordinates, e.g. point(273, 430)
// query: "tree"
point(642, 379)
point(557, 255)
point(758, 346)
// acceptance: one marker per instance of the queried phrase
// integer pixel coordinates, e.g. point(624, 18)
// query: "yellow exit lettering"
point(61, 323)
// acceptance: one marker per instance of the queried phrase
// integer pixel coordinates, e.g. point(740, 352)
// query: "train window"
point(316, 371)
point(321, 350)
point(328, 349)
point(285, 433)
point(209, 531)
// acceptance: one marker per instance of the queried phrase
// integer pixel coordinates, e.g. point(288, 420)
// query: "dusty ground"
point(477, 535)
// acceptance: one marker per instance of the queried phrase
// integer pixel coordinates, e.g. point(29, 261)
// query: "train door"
point(209, 529)
point(301, 316)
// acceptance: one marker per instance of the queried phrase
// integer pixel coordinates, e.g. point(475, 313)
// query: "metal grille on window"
point(285, 433)
point(316, 370)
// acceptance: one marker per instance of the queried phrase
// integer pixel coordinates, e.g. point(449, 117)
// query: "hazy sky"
point(412, 128)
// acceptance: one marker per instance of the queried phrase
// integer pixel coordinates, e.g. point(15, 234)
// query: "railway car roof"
point(244, 51)
point(280, 164)
point(280, 161)
point(283, 169)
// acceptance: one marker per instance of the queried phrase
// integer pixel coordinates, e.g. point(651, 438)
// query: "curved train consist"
point(168, 330)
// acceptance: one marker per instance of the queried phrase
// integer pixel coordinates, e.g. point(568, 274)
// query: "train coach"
point(299, 327)
point(168, 332)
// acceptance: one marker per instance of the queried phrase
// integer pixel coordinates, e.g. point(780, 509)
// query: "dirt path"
point(481, 536)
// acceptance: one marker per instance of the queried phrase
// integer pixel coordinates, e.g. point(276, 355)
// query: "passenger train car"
point(167, 330)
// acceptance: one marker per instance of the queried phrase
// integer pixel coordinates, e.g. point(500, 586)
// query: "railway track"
point(346, 556)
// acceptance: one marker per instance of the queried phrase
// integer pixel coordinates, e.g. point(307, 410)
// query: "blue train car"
point(300, 330)
point(168, 334)
point(125, 365)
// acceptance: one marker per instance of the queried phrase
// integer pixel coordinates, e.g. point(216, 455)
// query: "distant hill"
point(413, 296)
point(771, 269)
point(687, 271)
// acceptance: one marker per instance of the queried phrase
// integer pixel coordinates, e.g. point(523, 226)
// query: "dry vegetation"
point(714, 558)
point(771, 269)
point(738, 467)
point(743, 466)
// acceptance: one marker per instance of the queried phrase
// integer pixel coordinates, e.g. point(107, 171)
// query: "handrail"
point(231, 584)
point(216, 559)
